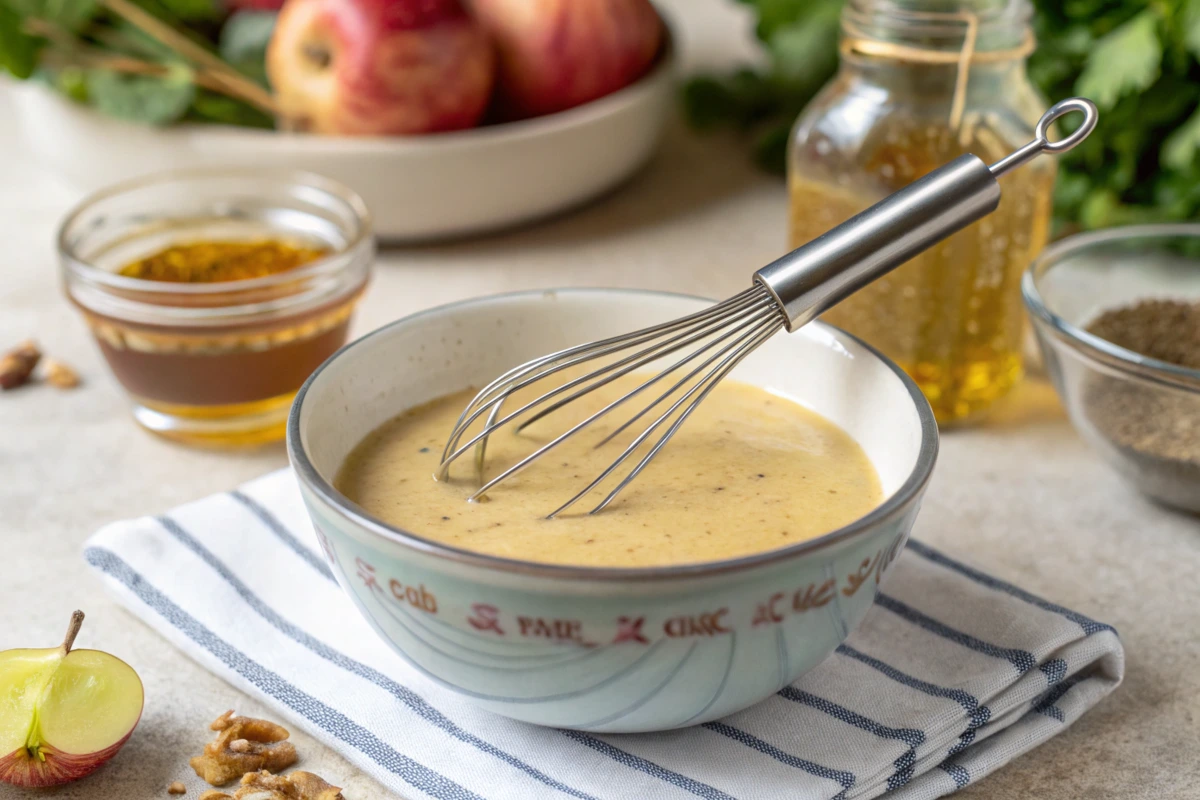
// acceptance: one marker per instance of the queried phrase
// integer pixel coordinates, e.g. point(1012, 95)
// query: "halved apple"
point(63, 712)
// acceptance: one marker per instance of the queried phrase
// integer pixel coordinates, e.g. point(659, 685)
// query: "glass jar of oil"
point(922, 82)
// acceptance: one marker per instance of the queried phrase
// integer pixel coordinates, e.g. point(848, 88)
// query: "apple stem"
point(72, 631)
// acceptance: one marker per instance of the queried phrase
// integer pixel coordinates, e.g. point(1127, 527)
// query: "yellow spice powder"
point(212, 262)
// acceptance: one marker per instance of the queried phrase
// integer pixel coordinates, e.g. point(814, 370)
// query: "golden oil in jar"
point(920, 83)
point(951, 317)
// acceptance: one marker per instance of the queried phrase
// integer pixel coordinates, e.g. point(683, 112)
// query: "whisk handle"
point(818, 275)
point(815, 276)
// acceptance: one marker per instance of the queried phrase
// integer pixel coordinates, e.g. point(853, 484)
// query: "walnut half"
point(243, 745)
point(293, 786)
point(16, 366)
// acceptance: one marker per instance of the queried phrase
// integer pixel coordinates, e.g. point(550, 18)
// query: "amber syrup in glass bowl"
point(214, 295)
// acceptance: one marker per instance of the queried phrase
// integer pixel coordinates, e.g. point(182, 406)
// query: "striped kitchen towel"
point(952, 674)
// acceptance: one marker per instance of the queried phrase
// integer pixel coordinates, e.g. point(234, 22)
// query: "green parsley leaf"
point(775, 14)
point(770, 148)
point(221, 109)
point(18, 50)
point(1178, 193)
point(709, 104)
point(1124, 61)
point(806, 51)
point(1181, 148)
point(740, 101)
point(1191, 26)
point(71, 81)
point(190, 10)
point(244, 39)
point(124, 37)
point(148, 99)
point(68, 14)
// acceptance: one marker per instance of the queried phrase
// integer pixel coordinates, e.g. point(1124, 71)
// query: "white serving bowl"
point(417, 187)
point(453, 614)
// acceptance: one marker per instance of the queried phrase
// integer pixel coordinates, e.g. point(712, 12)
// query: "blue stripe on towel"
point(963, 698)
point(845, 779)
point(907, 761)
point(269, 683)
point(1053, 712)
point(978, 715)
point(1022, 660)
point(280, 530)
point(410, 698)
point(1046, 704)
point(1055, 670)
point(649, 767)
point(1089, 625)
point(957, 772)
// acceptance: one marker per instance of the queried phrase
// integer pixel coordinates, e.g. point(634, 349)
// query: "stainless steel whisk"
point(787, 293)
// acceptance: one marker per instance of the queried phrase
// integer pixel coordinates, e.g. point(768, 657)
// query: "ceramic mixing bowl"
point(605, 649)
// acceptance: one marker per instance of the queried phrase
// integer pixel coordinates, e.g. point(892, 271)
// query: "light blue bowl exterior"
point(610, 656)
point(610, 650)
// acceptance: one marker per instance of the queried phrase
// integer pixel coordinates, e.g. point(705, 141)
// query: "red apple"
point(63, 712)
point(555, 54)
point(379, 67)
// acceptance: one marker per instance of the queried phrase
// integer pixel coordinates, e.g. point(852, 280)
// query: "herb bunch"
point(147, 61)
point(1139, 60)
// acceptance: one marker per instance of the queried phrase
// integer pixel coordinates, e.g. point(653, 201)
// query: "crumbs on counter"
point(177, 788)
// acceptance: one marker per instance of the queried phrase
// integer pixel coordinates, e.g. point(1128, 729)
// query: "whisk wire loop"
point(484, 396)
point(698, 326)
point(523, 463)
point(653, 354)
point(758, 334)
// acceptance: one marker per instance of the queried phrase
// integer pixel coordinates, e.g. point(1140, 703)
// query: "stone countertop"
point(1022, 497)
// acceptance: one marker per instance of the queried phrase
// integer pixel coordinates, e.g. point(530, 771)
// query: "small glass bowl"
point(216, 363)
point(1141, 414)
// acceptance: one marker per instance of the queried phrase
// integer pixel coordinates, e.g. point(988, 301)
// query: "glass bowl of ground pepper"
point(213, 295)
point(1117, 314)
